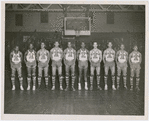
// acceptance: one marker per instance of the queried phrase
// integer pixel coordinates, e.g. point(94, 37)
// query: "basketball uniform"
point(135, 60)
point(69, 61)
point(122, 56)
point(95, 59)
point(109, 55)
point(30, 60)
point(83, 56)
point(56, 54)
point(43, 58)
point(16, 65)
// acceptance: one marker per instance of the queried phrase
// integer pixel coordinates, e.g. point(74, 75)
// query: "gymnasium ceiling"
point(74, 8)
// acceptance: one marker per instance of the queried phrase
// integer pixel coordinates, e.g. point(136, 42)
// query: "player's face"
point(16, 48)
point(56, 44)
point(95, 45)
point(122, 47)
point(83, 45)
point(69, 44)
point(135, 48)
point(31, 46)
point(110, 45)
point(42, 45)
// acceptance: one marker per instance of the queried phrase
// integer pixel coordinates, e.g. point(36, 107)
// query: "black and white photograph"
point(74, 59)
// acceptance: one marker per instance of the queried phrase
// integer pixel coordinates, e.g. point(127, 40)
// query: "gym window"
point(44, 17)
point(19, 20)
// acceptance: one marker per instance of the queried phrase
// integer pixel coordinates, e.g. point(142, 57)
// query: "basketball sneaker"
point(34, 88)
point(21, 88)
point(13, 87)
point(28, 88)
point(53, 88)
point(113, 87)
point(106, 87)
point(79, 86)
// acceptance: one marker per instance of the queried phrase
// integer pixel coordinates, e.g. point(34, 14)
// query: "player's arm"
point(127, 56)
point(25, 57)
point(90, 56)
point(48, 55)
point(64, 54)
point(10, 57)
point(140, 58)
point(100, 56)
point(104, 57)
point(116, 58)
point(51, 52)
point(37, 55)
point(130, 58)
point(21, 55)
point(75, 55)
point(78, 53)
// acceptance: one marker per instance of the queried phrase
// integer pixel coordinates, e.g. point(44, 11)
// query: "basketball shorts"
point(83, 65)
point(135, 69)
point(122, 67)
point(71, 68)
point(43, 68)
point(111, 66)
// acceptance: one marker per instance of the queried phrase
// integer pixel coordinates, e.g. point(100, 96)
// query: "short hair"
point(70, 42)
point(95, 42)
point(82, 42)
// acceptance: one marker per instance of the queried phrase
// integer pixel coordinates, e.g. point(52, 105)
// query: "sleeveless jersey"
point(43, 56)
point(109, 54)
point(135, 58)
point(31, 57)
point(95, 55)
point(57, 54)
point(69, 54)
point(83, 55)
point(122, 56)
point(16, 58)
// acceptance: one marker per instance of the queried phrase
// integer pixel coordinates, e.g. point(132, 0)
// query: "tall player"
point(16, 58)
point(30, 61)
point(69, 61)
point(56, 55)
point(43, 58)
point(109, 63)
point(95, 60)
point(83, 56)
point(121, 61)
point(135, 59)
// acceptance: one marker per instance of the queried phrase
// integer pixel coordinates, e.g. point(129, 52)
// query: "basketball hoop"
point(77, 33)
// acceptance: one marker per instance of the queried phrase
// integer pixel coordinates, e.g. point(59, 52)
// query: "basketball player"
point(121, 61)
point(135, 59)
point(56, 55)
point(69, 61)
point(95, 59)
point(109, 63)
point(43, 58)
point(30, 61)
point(16, 58)
point(82, 56)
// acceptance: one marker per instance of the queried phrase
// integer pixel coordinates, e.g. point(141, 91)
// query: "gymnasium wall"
point(123, 22)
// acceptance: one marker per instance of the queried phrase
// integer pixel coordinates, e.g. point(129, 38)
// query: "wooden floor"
point(79, 102)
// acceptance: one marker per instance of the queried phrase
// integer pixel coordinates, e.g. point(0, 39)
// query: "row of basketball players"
point(69, 55)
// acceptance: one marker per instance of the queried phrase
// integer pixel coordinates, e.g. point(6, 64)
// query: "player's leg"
point(131, 77)
point(125, 77)
point(85, 78)
point(19, 70)
point(106, 69)
point(60, 77)
point(80, 75)
point(98, 77)
point(73, 77)
point(39, 76)
point(46, 75)
point(34, 77)
point(28, 77)
point(67, 76)
point(112, 68)
point(91, 76)
point(118, 77)
point(53, 77)
point(137, 78)
point(13, 70)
